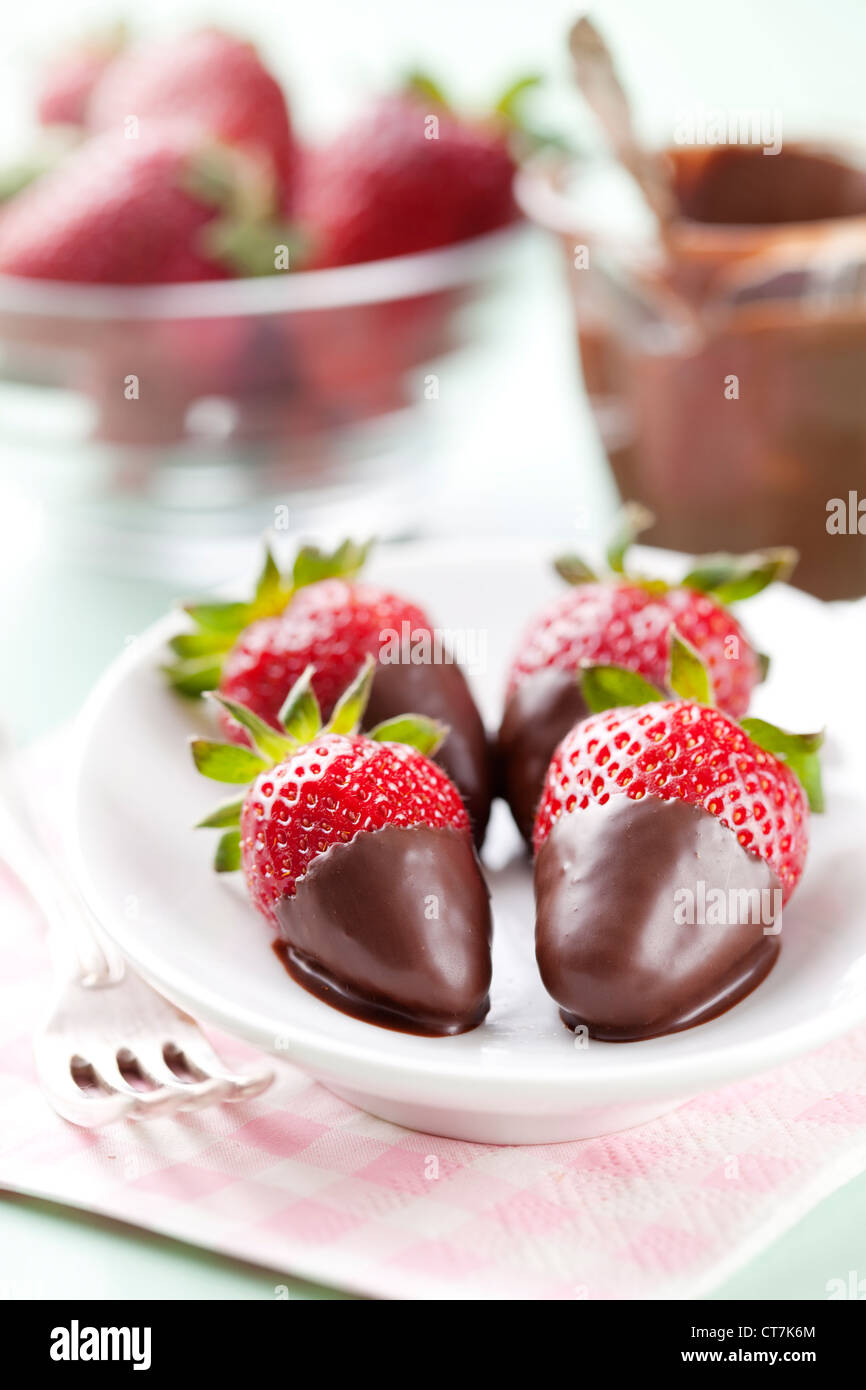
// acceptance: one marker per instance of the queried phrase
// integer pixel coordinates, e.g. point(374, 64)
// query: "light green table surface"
point(524, 455)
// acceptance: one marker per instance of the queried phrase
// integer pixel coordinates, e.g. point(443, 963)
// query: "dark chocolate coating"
point(395, 928)
point(608, 946)
point(538, 715)
point(440, 690)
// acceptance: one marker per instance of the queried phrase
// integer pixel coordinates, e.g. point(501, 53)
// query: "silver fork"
point(112, 1048)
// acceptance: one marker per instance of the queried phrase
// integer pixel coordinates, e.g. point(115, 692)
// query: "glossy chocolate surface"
point(538, 715)
point(738, 185)
point(610, 950)
point(440, 690)
point(394, 928)
point(751, 255)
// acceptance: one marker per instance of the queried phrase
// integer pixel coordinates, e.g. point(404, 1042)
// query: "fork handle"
point(77, 943)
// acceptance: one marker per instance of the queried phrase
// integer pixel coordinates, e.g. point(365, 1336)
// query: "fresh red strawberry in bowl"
point(624, 619)
point(359, 359)
point(68, 79)
point(357, 850)
point(211, 78)
point(408, 175)
point(322, 616)
point(168, 206)
point(668, 840)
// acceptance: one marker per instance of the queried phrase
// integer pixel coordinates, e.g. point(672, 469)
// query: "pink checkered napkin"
point(301, 1182)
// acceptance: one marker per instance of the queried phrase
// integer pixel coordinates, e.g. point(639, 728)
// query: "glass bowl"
point(147, 419)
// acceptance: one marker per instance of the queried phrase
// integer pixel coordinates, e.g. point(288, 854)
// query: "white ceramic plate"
point(519, 1078)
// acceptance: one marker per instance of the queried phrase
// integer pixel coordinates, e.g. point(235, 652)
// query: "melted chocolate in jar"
point(538, 715)
point(440, 690)
point(739, 185)
point(394, 928)
point(785, 313)
point(610, 950)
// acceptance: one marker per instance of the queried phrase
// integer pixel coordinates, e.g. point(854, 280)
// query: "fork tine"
point(103, 1059)
point(246, 1085)
point(190, 1044)
point(171, 1093)
point(90, 1109)
point(180, 1095)
point(87, 1111)
point(120, 1017)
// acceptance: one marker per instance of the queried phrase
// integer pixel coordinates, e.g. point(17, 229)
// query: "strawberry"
point(395, 183)
point(213, 79)
point(177, 362)
point(323, 618)
point(69, 78)
point(199, 656)
point(357, 851)
point(156, 209)
point(649, 805)
point(332, 625)
point(624, 620)
point(361, 360)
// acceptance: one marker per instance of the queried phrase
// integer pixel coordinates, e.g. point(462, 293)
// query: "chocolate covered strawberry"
point(624, 619)
point(199, 656)
point(357, 850)
point(212, 79)
point(668, 839)
point(333, 623)
point(167, 206)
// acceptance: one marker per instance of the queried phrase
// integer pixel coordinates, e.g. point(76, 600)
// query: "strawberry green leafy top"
point(300, 723)
point(608, 687)
point(199, 654)
point(726, 578)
